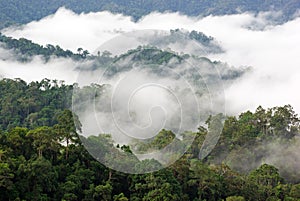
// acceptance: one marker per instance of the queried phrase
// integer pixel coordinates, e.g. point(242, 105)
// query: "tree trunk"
point(67, 149)
point(40, 153)
point(109, 175)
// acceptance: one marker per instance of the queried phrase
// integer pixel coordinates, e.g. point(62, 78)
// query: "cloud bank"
point(248, 40)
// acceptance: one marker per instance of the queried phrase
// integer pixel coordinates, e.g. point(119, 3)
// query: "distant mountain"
point(145, 56)
point(23, 50)
point(193, 42)
point(24, 11)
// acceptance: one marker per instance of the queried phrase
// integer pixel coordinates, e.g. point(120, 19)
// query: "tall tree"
point(67, 127)
point(43, 138)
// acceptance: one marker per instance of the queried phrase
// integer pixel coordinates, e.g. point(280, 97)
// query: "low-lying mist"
point(247, 40)
point(240, 40)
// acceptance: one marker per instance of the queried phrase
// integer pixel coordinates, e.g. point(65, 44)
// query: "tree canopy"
point(42, 156)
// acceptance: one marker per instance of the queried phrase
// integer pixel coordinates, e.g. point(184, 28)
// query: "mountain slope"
point(17, 11)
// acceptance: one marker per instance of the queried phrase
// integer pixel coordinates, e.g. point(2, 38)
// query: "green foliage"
point(25, 49)
point(67, 127)
point(150, 55)
point(43, 138)
point(42, 158)
point(6, 176)
point(126, 149)
point(266, 175)
point(33, 104)
point(120, 197)
point(103, 192)
point(235, 198)
point(252, 137)
point(155, 186)
point(27, 10)
point(204, 179)
point(160, 141)
point(295, 191)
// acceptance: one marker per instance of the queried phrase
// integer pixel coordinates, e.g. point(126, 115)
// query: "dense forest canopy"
point(42, 157)
point(25, 49)
point(45, 155)
point(24, 11)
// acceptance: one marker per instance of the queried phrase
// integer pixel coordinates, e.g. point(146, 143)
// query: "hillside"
point(150, 115)
point(21, 12)
point(37, 163)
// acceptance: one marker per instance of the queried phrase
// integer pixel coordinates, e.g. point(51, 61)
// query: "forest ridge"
point(20, 12)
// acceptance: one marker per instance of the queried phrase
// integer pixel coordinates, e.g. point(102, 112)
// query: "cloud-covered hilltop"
point(245, 39)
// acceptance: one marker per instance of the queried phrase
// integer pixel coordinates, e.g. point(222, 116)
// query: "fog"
point(37, 69)
point(272, 50)
point(143, 98)
point(248, 40)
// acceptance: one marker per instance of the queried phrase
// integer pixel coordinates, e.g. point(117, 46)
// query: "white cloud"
point(37, 69)
point(248, 40)
point(272, 50)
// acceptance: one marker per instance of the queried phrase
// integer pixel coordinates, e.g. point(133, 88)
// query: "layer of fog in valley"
point(248, 40)
point(247, 62)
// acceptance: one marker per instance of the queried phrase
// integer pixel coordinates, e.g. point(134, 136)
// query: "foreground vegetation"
point(42, 158)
